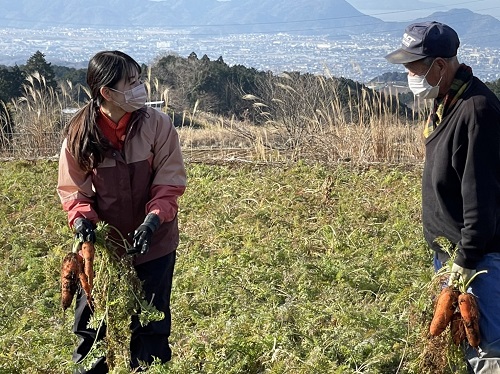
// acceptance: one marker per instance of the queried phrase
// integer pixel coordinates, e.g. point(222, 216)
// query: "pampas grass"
point(298, 119)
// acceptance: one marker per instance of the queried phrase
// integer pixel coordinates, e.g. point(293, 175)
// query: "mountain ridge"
point(333, 18)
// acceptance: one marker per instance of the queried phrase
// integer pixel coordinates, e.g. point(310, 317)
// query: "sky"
point(402, 10)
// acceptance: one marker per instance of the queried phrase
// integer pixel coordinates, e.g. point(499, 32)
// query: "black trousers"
point(146, 342)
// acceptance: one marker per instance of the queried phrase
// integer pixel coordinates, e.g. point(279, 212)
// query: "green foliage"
point(495, 87)
point(32, 242)
point(300, 269)
point(394, 76)
point(11, 80)
point(407, 98)
point(37, 63)
point(117, 295)
point(73, 77)
point(64, 73)
point(214, 85)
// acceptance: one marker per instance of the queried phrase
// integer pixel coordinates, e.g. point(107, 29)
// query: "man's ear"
point(441, 63)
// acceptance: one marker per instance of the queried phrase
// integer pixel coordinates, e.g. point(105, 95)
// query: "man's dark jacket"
point(461, 178)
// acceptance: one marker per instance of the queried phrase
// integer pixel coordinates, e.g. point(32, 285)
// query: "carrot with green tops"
point(470, 316)
point(446, 305)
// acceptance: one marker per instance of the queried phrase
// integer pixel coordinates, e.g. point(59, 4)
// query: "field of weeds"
point(281, 269)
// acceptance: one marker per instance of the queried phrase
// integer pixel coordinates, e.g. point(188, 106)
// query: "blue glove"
point(84, 230)
point(460, 274)
point(143, 234)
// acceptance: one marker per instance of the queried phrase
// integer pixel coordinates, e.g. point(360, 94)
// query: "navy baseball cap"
point(425, 39)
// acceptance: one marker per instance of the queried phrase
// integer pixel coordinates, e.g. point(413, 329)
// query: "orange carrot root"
point(84, 282)
point(88, 253)
point(446, 305)
point(69, 276)
point(470, 316)
point(457, 329)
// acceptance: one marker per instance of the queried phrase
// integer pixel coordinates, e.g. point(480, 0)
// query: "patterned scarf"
point(462, 79)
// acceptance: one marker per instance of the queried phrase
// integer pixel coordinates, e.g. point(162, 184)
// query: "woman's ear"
point(105, 93)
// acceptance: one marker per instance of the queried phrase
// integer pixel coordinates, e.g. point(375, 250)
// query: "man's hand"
point(143, 234)
point(84, 230)
point(460, 274)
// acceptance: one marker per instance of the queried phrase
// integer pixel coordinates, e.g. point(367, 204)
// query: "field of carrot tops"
point(293, 269)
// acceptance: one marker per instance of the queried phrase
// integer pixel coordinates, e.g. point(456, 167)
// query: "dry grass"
point(314, 124)
point(220, 138)
point(37, 117)
point(301, 121)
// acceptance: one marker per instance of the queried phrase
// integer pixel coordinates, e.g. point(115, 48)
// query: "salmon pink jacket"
point(146, 176)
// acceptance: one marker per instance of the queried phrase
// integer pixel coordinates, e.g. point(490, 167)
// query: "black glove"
point(84, 230)
point(143, 234)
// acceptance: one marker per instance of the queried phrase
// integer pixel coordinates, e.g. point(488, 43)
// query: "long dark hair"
point(85, 142)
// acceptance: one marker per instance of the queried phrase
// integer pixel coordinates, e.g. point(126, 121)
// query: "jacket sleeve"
point(480, 185)
point(169, 174)
point(74, 188)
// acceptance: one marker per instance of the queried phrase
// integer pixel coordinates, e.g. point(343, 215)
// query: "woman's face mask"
point(421, 88)
point(135, 98)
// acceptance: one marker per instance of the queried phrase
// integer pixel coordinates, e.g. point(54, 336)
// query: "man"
point(461, 177)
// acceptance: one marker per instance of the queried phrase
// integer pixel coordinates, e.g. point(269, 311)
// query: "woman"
point(121, 163)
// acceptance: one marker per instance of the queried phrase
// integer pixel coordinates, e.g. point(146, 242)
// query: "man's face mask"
point(421, 88)
point(135, 98)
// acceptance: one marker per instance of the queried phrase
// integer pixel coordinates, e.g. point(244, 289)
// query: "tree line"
point(192, 83)
point(214, 85)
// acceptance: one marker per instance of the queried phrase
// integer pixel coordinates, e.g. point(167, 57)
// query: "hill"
point(322, 17)
point(336, 16)
point(333, 17)
point(474, 29)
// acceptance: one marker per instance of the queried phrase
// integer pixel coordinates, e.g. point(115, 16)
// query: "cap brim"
point(400, 56)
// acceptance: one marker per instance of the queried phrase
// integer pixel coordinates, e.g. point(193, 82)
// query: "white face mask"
point(421, 88)
point(135, 98)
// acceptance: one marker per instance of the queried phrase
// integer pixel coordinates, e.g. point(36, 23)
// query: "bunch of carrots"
point(457, 308)
point(114, 292)
point(77, 270)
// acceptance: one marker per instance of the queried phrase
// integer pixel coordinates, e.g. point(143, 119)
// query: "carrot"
point(69, 276)
point(470, 316)
point(88, 253)
point(446, 305)
point(457, 328)
point(84, 282)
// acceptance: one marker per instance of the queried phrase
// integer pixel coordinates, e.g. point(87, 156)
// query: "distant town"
point(358, 57)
